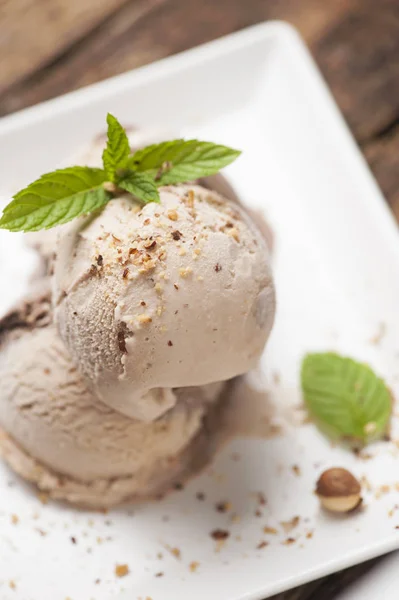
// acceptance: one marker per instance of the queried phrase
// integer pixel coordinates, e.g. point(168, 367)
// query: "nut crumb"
point(14, 519)
point(223, 507)
point(290, 525)
point(218, 267)
point(172, 215)
point(125, 273)
point(309, 535)
point(143, 319)
point(159, 574)
point(270, 530)
point(12, 584)
point(289, 541)
point(296, 470)
point(43, 497)
point(121, 570)
point(170, 343)
point(175, 286)
point(176, 235)
point(194, 566)
point(220, 534)
point(261, 545)
point(185, 272)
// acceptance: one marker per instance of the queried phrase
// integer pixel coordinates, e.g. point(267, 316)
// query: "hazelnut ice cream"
point(150, 298)
point(57, 435)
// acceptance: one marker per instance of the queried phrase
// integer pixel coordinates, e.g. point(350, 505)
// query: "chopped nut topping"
point(194, 566)
point(121, 570)
point(234, 234)
point(176, 235)
point(172, 215)
point(223, 507)
point(190, 198)
point(170, 343)
point(270, 530)
point(220, 534)
point(14, 519)
point(158, 288)
point(146, 221)
point(261, 545)
point(218, 267)
point(144, 319)
point(175, 286)
point(185, 272)
point(100, 260)
point(125, 273)
point(150, 244)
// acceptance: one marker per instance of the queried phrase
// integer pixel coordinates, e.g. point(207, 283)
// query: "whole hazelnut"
point(338, 490)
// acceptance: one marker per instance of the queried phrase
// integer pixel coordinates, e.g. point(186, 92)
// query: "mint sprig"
point(345, 397)
point(58, 197)
point(116, 154)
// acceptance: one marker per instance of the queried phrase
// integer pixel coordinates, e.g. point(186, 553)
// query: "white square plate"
point(337, 276)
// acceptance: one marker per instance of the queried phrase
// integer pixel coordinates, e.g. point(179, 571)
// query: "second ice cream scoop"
point(167, 295)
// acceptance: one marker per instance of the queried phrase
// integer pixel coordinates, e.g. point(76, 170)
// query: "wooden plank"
point(33, 33)
point(142, 31)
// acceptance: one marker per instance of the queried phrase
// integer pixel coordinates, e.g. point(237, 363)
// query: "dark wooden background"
point(48, 47)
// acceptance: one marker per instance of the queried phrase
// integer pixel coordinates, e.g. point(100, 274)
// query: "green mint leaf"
point(56, 198)
point(178, 161)
point(116, 153)
point(346, 398)
point(140, 185)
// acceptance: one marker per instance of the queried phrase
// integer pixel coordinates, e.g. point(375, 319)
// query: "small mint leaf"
point(140, 185)
point(56, 198)
point(116, 153)
point(180, 160)
point(346, 398)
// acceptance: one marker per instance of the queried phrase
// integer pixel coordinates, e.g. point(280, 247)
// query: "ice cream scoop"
point(175, 294)
point(57, 435)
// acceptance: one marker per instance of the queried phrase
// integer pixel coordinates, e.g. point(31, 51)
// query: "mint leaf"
point(117, 151)
point(140, 185)
point(180, 160)
point(346, 398)
point(56, 198)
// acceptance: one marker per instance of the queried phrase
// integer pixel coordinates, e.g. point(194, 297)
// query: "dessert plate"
point(336, 263)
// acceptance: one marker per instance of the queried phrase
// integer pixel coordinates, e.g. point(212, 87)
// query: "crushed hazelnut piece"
point(146, 221)
point(234, 234)
point(14, 519)
point(43, 497)
point(170, 343)
point(158, 288)
point(289, 541)
point(190, 198)
point(223, 507)
point(121, 570)
point(296, 470)
point(172, 215)
point(185, 272)
point(125, 273)
point(175, 286)
point(12, 584)
point(176, 235)
point(290, 525)
point(194, 566)
point(220, 534)
point(270, 530)
point(261, 545)
point(182, 252)
point(144, 319)
point(150, 244)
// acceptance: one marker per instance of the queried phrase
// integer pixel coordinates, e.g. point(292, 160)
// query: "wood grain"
point(54, 46)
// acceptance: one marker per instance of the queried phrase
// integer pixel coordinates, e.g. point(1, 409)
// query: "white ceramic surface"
point(337, 275)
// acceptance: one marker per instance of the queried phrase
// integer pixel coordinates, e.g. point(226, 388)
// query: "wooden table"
point(49, 47)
